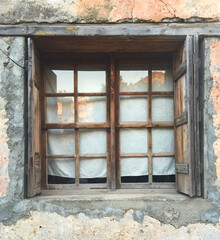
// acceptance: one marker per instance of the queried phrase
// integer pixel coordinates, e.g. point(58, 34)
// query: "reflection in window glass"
point(162, 140)
point(92, 141)
point(162, 80)
point(133, 108)
point(133, 81)
point(92, 109)
point(60, 109)
point(91, 81)
point(60, 141)
point(59, 81)
point(133, 141)
point(162, 108)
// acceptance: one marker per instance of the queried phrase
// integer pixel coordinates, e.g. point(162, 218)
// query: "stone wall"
point(94, 11)
point(154, 216)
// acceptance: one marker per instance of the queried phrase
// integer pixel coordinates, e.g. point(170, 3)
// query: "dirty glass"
point(60, 109)
point(133, 108)
point(92, 109)
point(92, 141)
point(133, 80)
point(91, 81)
point(60, 141)
point(59, 81)
point(162, 80)
point(133, 141)
point(162, 108)
point(162, 140)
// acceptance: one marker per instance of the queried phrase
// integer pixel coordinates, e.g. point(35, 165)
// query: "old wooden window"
point(114, 121)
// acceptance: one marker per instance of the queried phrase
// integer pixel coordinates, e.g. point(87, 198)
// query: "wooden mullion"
point(59, 94)
point(76, 121)
point(62, 156)
point(170, 93)
point(92, 155)
point(91, 94)
point(145, 124)
point(150, 178)
point(75, 125)
point(108, 94)
point(117, 121)
point(128, 155)
point(112, 123)
point(163, 154)
point(43, 132)
point(134, 93)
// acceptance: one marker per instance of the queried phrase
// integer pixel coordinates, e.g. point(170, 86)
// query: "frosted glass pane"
point(60, 141)
point(60, 109)
point(162, 109)
point(134, 166)
point(92, 168)
point(134, 81)
point(61, 167)
point(133, 141)
point(92, 109)
point(91, 81)
point(133, 108)
point(92, 142)
point(59, 81)
point(162, 140)
point(163, 166)
point(162, 80)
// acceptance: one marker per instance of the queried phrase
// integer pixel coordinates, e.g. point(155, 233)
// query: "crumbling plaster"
point(94, 11)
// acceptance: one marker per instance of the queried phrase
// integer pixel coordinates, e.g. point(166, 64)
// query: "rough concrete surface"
point(53, 226)
point(94, 11)
point(79, 218)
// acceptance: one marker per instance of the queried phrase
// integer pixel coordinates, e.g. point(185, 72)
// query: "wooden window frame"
point(36, 158)
point(112, 126)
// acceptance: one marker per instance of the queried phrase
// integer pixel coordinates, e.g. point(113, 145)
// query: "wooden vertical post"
point(150, 121)
point(76, 129)
point(112, 123)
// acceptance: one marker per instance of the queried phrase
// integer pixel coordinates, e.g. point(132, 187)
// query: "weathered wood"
point(74, 125)
point(181, 119)
point(144, 124)
point(196, 64)
point(181, 70)
point(148, 185)
point(34, 122)
point(132, 155)
point(146, 93)
point(138, 29)
point(182, 168)
point(112, 123)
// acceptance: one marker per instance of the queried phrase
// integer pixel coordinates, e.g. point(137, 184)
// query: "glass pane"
point(133, 141)
point(60, 141)
point(162, 109)
point(91, 81)
point(133, 108)
point(162, 140)
point(133, 80)
point(163, 166)
point(134, 166)
point(162, 80)
point(92, 168)
point(59, 81)
point(60, 109)
point(92, 109)
point(92, 141)
point(61, 167)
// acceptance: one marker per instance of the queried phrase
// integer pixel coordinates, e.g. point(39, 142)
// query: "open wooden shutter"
point(186, 107)
point(34, 121)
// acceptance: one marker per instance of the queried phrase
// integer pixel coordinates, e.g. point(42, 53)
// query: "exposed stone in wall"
point(85, 11)
point(11, 114)
point(215, 97)
point(47, 226)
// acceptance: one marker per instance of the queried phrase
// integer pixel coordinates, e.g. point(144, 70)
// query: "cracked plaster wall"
point(94, 11)
point(181, 218)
